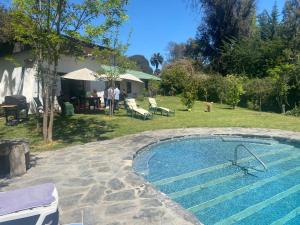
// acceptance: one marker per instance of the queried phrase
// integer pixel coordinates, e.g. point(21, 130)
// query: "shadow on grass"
point(77, 130)
point(70, 129)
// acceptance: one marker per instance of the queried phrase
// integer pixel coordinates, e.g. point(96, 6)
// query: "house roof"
point(143, 76)
point(137, 74)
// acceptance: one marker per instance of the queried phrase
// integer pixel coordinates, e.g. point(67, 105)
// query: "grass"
point(86, 128)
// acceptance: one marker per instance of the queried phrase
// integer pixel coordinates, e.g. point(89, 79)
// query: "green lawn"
point(87, 128)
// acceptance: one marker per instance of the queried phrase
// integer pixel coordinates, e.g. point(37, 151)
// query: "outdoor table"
point(85, 103)
point(94, 101)
point(8, 109)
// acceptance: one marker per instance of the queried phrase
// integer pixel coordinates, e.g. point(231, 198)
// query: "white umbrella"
point(82, 74)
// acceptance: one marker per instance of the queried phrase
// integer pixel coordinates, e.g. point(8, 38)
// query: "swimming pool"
point(199, 174)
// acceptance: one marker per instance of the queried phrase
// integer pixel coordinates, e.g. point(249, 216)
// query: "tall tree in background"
point(176, 51)
point(222, 20)
point(269, 24)
point(6, 32)
point(291, 27)
point(47, 25)
point(156, 60)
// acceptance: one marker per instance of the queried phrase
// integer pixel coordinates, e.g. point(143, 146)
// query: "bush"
point(175, 75)
point(294, 112)
point(281, 76)
point(202, 87)
point(234, 90)
point(211, 88)
point(189, 94)
point(258, 91)
point(153, 87)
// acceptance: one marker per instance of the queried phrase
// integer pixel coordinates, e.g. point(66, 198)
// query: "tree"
point(175, 75)
point(291, 26)
point(153, 87)
point(176, 51)
point(222, 20)
point(156, 60)
point(252, 57)
point(281, 76)
point(269, 24)
point(189, 94)
point(258, 90)
point(6, 32)
point(234, 90)
point(47, 25)
point(142, 63)
point(274, 21)
point(113, 56)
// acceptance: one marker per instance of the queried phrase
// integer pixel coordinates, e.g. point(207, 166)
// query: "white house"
point(18, 77)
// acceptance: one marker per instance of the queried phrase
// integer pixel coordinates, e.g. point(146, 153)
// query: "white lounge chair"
point(36, 205)
point(133, 109)
point(153, 107)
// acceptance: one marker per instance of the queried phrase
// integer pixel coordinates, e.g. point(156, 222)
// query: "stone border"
point(98, 179)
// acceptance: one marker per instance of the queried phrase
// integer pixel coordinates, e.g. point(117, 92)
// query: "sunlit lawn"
point(87, 128)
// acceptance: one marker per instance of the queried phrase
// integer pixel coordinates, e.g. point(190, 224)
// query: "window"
point(128, 87)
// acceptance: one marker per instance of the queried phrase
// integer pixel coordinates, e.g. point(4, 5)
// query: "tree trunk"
point(45, 115)
point(51, 118)
point(112, 102)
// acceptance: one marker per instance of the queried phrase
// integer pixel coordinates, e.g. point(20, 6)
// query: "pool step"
point(220, 180)
point(240, 191)
point(291, 215)
point(257, 207)
point(211, 169)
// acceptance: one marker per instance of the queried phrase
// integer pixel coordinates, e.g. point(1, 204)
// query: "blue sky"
point(154, 23)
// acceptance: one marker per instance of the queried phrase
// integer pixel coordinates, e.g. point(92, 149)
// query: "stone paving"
point(97, 179)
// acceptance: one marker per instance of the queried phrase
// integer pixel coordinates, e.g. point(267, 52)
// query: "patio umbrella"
point(82, 74)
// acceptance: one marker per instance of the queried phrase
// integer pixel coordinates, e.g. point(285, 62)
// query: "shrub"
point(188, 99)
point(258, 91)
point(281, 76)
point(211, 87)
point(294, 112)
point(189, 93)
point(153, 87)
point(234, 90)
point(202, 87)
point(175, 75)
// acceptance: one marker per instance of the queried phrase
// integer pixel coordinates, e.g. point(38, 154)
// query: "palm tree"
point(155, 60)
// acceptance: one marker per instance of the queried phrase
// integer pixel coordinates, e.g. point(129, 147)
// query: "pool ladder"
point(244, 168)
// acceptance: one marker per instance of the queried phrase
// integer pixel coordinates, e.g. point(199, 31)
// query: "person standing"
point(110, 95)
point(117, 98)
point(95, 99)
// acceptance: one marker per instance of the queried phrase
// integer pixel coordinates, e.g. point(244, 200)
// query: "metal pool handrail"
point(234, 162)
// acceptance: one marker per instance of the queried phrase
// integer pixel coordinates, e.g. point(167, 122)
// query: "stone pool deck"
point(97, 179)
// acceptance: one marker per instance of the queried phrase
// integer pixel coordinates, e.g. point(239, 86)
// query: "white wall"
point(137, 88)
point(16, 79)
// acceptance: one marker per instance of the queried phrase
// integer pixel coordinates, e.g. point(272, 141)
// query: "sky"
point(154, 23)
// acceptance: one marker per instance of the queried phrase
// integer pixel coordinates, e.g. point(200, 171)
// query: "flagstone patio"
point(97, 179)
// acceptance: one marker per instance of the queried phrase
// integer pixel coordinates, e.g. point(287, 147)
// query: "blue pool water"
point(198, 174)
